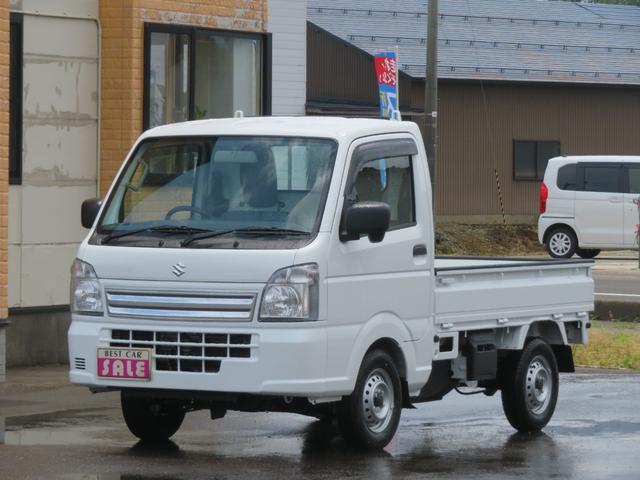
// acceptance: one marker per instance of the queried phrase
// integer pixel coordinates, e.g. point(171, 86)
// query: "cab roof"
point(338, 128)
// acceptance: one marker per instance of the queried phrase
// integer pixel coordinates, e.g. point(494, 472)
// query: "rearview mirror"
point(89, 211)
point(366, 218)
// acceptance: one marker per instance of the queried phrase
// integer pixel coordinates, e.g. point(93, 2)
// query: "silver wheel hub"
point(538, 385)
point(378, 400)
point(560, 243)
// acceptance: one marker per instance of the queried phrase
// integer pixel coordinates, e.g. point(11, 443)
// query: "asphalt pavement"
point(617, 280)
point(56, 431)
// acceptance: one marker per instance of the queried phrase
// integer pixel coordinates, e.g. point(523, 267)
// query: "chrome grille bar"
point(185, 306)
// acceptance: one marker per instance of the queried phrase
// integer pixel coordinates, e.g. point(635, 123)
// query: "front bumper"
point(284, 360)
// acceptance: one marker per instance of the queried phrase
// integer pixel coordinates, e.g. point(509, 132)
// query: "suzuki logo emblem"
point(179, 269)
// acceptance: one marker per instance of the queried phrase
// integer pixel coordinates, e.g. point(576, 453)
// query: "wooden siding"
point(477, 126)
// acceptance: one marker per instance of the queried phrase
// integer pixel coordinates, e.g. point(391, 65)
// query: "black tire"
point(529, 385)
point(369, 417)
point(561, 242)
point(151, 420)
point(587, 253)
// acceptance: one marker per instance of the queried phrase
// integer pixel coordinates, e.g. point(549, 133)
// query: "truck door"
point(599, 206)
point(631, 209)
point(390, 279)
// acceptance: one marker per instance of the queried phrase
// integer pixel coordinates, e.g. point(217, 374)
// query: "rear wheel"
point(561, 243)
point(587, 253)
point(149, 419)
point(530, 387)
point(369, 417)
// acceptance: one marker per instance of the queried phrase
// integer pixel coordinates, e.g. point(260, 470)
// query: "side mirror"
point(89, 211)
point(367, 218)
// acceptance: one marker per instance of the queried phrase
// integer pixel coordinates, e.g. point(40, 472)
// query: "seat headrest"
point(260, 180)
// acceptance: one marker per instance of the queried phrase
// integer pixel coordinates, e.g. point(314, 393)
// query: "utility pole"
point(431, 91)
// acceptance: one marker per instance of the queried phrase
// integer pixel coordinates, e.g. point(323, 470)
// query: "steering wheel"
point(185, 208)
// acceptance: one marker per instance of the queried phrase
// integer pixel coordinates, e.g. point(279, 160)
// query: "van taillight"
point(544, 194)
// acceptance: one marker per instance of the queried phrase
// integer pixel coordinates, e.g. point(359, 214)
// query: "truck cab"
point(288, 264)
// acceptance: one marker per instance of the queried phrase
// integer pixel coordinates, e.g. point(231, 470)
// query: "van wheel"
point(151, 420)
point(587, 253)
point(561, 243)
point(530, 387)
point(369, 417)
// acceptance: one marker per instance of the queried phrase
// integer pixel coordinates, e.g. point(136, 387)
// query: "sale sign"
point(124, 363)
point(386, 64)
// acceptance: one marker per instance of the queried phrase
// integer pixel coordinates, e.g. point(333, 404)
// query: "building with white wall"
point(87, 76)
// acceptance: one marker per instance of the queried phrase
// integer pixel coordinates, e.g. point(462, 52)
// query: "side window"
point(388, 180)
point(634, 178)
point(567, 178)
point(602, 179)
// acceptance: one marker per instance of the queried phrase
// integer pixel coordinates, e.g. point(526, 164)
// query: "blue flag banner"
point(387, 74)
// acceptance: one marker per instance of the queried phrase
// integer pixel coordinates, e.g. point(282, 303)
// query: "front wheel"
point(530, 387)
point(151, 420)
point(369, 417)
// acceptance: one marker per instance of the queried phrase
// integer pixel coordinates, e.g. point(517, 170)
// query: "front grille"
point(236, 307)
point(186, 351)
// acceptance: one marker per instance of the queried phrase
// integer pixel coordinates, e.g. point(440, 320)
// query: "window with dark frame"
point(15, 101)
point(530, 158)
point(192, 73)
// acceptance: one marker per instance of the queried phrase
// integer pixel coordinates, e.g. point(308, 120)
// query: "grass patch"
point(611, 345)
point(488, 240)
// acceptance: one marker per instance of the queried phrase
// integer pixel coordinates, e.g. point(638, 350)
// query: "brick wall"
point(123, 55)
point(4, 171)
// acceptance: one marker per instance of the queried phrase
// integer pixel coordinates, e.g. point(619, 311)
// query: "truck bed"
point(481, 293)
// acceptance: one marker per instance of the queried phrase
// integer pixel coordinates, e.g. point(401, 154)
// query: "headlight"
point(86, 294)
point(291, 295)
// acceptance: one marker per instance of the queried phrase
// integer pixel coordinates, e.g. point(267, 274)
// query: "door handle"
point(419, 250)
point(615, 200)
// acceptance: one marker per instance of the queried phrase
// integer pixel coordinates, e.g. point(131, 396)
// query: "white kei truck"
point(287, 264)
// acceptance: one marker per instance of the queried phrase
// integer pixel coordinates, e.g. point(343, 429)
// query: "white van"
point(588, 204)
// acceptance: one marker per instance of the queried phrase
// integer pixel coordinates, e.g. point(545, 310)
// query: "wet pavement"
point(54, 430)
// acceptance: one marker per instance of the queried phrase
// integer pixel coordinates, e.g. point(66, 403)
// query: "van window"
point(602, 179)
point(567, 178)
point(634, 179)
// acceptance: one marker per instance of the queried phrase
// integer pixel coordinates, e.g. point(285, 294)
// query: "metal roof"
point(518, 40)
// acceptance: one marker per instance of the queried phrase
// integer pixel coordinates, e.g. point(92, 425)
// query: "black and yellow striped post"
point(504, 216)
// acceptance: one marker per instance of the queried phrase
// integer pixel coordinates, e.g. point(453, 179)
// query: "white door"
point(390, 280)
point(631, 207)
point(599, 206)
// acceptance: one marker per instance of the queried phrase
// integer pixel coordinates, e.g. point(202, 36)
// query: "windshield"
point(244, 186)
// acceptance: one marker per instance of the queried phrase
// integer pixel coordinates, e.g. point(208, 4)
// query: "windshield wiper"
point(256, 230)
point(157, 228)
